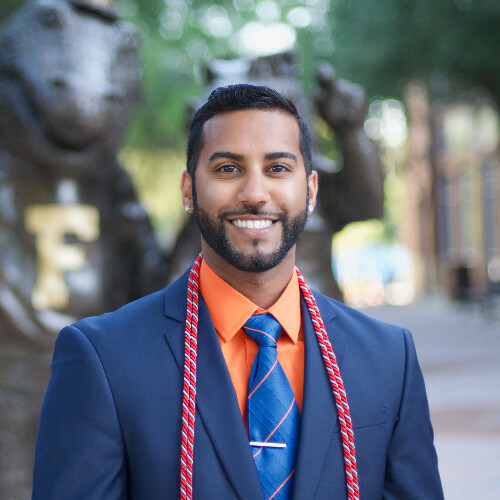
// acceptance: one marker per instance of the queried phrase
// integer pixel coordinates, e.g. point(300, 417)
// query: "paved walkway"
point(459, 351)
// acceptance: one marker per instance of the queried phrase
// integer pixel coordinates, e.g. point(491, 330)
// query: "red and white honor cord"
point(339, 393)
point(189, 388)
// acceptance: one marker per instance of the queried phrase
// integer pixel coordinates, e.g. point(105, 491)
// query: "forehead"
point(252, 130)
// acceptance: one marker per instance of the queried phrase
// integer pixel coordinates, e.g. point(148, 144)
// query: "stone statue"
point(351, 191)
point(74, 240)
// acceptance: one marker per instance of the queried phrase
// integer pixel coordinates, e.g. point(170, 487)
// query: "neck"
point(264, 288)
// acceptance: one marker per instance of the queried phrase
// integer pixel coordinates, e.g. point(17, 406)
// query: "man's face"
point(252, 191)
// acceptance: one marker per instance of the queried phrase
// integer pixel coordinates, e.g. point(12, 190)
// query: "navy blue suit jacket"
point(111, 419)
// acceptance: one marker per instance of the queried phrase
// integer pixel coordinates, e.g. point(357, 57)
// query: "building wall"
point(467, 177)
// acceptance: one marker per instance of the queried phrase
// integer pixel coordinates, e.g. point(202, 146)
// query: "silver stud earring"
point(310, 209)
point(187, 208)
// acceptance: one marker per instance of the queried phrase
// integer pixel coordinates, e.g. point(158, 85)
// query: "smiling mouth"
point(252, 224)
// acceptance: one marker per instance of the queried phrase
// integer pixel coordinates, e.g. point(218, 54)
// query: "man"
point(118, 419)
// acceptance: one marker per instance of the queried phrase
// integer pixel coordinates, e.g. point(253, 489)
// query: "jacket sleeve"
point(80, 452)
point(411, 468)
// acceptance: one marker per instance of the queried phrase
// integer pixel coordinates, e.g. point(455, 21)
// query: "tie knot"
point(264, 329)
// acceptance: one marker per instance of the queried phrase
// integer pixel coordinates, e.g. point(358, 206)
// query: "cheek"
point(293, 198)
point(212, 197)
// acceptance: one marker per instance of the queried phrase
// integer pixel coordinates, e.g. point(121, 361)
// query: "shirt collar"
point(230, 310)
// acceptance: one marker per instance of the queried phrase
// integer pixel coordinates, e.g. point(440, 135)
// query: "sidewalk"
point(459, 352)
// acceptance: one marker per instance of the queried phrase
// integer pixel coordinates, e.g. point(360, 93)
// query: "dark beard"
point(214, 233)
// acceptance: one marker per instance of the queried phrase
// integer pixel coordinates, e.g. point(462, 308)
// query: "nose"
point(254, 188)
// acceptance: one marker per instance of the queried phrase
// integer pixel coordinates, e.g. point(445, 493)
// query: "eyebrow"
point(239, 157)
point(226, 154)
point(281, 154)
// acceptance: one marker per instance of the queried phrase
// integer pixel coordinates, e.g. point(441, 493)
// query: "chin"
point(256, 262)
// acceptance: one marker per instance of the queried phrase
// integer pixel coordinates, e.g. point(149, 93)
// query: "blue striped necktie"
point(273, 414)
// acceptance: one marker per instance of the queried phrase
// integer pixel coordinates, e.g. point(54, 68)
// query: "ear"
point(312, 186)
point(187, 191)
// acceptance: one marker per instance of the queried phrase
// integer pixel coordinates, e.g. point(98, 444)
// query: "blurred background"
point(431, 78)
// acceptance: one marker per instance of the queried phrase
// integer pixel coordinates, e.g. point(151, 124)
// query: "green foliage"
point(8, 6)
point(452, 44)
point(181, 37)
point(382, 44)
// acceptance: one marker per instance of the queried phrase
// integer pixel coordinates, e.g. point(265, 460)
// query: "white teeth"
point(252, 224)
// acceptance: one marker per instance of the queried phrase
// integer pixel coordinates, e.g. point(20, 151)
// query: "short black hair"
point(236, 98)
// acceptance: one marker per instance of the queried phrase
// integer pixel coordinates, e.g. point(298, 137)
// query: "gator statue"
point(74, 240)
point(349, 192)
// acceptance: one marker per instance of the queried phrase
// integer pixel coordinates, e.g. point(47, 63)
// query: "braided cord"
point(333, 371)
point(189, 389)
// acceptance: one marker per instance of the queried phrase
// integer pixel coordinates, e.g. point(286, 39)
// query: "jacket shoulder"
point(125, 316)
point(354, 320)
point(144, 314)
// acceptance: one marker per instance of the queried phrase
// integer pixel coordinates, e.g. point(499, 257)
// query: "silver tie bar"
point(267, 445)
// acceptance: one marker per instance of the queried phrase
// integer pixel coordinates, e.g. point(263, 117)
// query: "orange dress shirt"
point(230, 310)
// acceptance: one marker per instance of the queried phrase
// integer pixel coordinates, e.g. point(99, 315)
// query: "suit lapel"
point(215, 396)
point(319, 422)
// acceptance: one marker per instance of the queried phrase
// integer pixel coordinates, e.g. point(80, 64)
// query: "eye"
point(50, 18)
point(279, 168)
point(129, 38)
point(228, 169)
